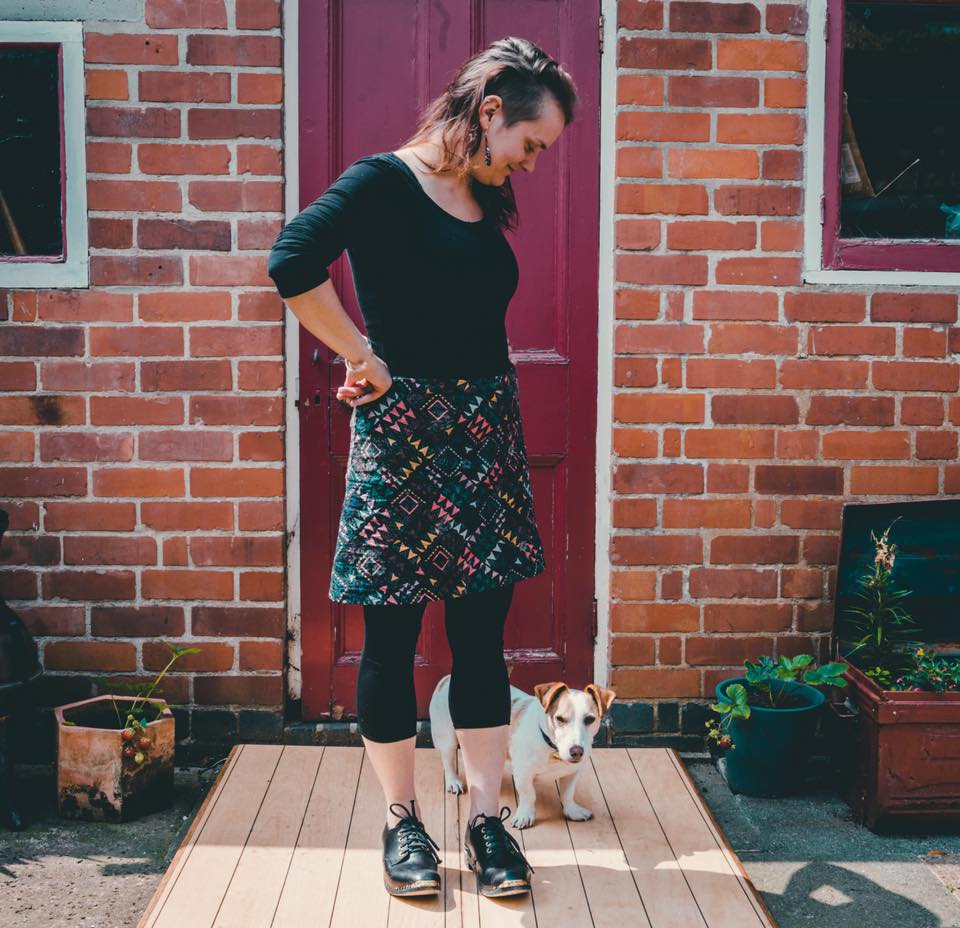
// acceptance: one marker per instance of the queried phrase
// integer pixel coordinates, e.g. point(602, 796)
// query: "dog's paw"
point(577, 813)
point(455, 785)
point(523, 818)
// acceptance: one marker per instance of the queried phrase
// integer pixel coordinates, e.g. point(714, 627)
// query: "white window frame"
point(813, 270)
point(74, 271)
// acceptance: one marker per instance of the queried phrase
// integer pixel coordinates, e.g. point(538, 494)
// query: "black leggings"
point(479, 687)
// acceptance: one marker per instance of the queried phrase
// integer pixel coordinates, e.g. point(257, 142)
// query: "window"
point(890, 166)
point(43, 225)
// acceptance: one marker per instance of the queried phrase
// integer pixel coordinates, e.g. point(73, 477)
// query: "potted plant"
point(895, 733)
point(115, 753)
point(767, 720)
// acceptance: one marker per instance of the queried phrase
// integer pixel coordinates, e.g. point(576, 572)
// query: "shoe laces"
point(412, 836)
point(496, 838)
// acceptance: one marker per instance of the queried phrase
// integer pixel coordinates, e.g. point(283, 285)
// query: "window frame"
point(72, 268)
point(827, 257)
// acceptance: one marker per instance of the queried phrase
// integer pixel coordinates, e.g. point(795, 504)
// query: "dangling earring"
point(486, 154)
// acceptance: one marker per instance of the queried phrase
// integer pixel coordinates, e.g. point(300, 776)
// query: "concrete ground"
point(812, 862)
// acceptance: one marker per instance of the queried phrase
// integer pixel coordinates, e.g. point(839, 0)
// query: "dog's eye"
point(561, 720)
point(589, 719)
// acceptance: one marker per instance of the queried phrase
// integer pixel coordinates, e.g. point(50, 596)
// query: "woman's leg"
point(480, 691)
point(387, 700)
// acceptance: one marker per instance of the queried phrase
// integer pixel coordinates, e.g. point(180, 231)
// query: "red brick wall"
point(141, 420)
point(748, 406)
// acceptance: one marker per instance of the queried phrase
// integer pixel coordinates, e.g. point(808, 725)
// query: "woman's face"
point(516, 148)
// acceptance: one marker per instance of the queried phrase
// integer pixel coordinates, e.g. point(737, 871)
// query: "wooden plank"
point(557, 885)
point(424, 911)
point(254, 891)
point(469, 900)
point(201, 884)
point(361, 896)
point(452, 893)
point(718, 892)
point(170, 875)
point(311, 884)
point(756, 899)
point(610, 887)
point(666, 896)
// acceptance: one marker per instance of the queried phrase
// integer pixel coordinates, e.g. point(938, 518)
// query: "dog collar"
point(547, 739)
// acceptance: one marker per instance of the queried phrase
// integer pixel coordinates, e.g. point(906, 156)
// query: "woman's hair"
point(519, 73)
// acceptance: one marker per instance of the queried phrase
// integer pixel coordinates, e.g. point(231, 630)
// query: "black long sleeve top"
point(433, 289)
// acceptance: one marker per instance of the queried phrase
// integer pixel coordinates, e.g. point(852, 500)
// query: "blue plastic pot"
point(769, 757)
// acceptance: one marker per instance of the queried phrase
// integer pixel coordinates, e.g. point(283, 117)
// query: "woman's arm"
point(322, 314)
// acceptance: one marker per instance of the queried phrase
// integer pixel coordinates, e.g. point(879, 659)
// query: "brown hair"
point(519, 73)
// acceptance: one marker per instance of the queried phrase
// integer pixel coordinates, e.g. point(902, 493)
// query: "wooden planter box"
point(95, 781)
point(898, 752)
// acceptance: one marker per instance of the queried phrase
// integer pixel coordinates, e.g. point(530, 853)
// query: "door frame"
point(603, 440)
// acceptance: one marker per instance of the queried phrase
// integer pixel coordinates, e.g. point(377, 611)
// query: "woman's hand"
point(365, 383)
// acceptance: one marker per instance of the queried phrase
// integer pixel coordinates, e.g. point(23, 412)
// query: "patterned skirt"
point(438, 502)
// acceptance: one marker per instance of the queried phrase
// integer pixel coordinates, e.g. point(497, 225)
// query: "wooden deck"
point(290, 836)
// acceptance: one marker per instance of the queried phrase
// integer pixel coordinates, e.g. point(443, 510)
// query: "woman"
point(438, 502)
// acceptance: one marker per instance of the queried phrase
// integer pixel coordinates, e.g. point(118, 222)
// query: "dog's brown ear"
point(601, 695)
point(548, 692)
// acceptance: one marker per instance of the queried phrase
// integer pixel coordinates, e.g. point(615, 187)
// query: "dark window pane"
point(30, 151)
point(900, 77)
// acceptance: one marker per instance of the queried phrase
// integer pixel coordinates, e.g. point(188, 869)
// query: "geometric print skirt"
point(438, 502)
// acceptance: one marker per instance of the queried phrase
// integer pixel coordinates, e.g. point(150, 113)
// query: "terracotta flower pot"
point(95, 781)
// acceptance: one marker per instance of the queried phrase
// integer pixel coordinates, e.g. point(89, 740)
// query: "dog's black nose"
point(576, 752)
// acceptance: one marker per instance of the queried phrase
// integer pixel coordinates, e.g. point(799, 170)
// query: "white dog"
point(551, 734)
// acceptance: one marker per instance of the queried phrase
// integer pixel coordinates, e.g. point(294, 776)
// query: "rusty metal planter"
point(95, 781)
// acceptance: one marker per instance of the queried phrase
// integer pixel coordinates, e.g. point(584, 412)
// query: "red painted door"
point(367, 69)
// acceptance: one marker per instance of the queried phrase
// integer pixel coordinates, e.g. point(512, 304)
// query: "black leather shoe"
point(494, 855)
point(409, 858)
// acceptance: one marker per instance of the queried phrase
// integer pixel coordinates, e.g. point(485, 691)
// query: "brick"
point(133, 122)
point(765, 200)
point(913, 307)
point(782, 164)
point(656, 549)
point(644, 126)
point(168, 158)
point(761, 55)
point(95, 549)
point(176, 14)
point(756, 338)
point(193, 86)
point(134, 196)
point(136, 482)
point(251, 690)
point(801, 583)
point(798, 480)
point(137, 621)
point(42, 409)
point(639, 90)
point(823, 374)
point(714, 17)
point(929, 376)
point(186, 446)
point(861, 446)
point(851, 410)
point(109, 157)
point(709, 513)
point(636, 161)
point(662, 269)
point(239, 481)
point(86, 446)
point(175, 376)
point(672, 199)
point(84, 306)
point(109, 233)
point(655, 682)
point(665, 54)
point(732, 583)
point(632, 649)
point(236, 341)
point(759, 128)
point(649, 338)
point(136, 270)
point(927, 343)
point(259, 159)
point(709, 163)
point(208, 235)
point(261, 655)
point(637, 234)
point(786, 18)
point(937, 446)
point(797, 444)
point(262, 585)
point(894, 481)
point(236, 551)
point(734, 304)
point(640, 14)
point(228, 271)
point(627, 443)
point(89, 655)
point(259, 88)
point(710, 235)
point(811, 306)
point(236, 410)
point(88, 584)
point(717, 649)
point(713, 91)
point(784, 92)
point(185, 306)
point(918, 410)
point(258, 14)
point(821, 514)
point(662, 408)
point(747, 617)
point(658, 478)
point(246, 51)
point(128, 48)
point(236, 195)
point(633, 584)
point(228, 123)
point(852, 340)
point(189, 584)
point(185, 516)
point(731, 409)
point(136, 341)
point(739, 444)
point(758, 271)
point(104, 84)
